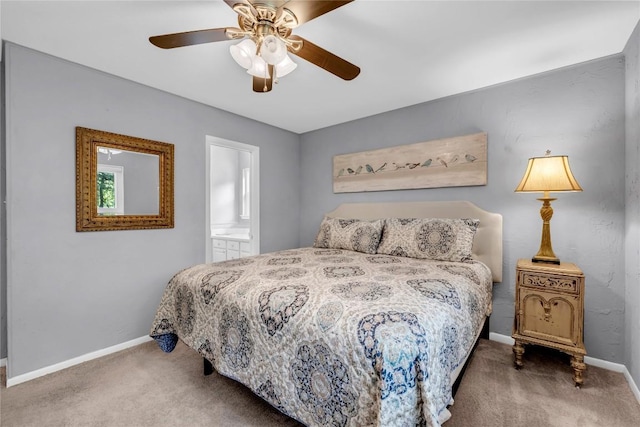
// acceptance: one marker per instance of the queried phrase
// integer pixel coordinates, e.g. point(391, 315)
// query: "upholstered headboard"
point(487, 244)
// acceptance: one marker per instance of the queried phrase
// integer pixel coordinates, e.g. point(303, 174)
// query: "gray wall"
point(61, 309)
point(632, 205)
point(577, 111)
point(141, 183)
point(73, 293)
point(3, 225)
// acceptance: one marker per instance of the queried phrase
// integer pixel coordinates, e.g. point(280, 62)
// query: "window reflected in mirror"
point(135, 188)
point(110, 196)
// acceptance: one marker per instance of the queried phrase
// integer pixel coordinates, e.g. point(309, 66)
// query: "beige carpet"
point(541, 394)
point(143, 386)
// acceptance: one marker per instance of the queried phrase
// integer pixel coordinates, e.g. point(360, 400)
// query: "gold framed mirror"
point(122, 182)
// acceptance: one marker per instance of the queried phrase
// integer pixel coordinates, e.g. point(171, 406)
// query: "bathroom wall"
point(224, 187)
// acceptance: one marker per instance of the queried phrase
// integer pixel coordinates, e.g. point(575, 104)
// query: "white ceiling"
point(409, 51)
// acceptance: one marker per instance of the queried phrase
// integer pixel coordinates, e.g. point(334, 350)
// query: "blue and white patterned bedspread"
point(332, 337)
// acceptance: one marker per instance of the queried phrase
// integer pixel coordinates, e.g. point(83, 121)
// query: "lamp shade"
point(243, 53)
point(259, 68)
point(285, 66)
point(273, 50)
point(548, 174)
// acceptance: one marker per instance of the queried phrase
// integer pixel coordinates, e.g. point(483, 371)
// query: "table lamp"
point(544, 175)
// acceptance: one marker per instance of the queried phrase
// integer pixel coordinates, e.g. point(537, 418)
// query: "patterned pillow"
point(351, 234)
point(440, 239)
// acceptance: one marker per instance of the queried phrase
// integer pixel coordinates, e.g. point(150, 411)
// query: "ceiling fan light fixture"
point(273, 50)
point(243, 53)
point(259, 68)
point(285, 66)
point(265, 39)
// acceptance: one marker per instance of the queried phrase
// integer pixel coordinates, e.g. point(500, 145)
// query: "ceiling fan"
point(265, 26)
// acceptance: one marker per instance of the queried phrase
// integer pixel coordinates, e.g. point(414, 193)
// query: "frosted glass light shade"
point(285, 66)
point(108, 151)
point(259, 68)
point(547, 174)
point(243, 53)
point(273, 50)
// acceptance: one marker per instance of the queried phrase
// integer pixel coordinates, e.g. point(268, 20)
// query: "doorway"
point(232, 199)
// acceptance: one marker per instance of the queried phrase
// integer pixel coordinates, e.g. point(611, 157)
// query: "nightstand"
point(550, 311)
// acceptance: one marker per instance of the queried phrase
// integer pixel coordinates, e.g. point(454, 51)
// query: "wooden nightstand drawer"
point(550, 281)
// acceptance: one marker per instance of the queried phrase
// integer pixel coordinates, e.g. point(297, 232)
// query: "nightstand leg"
point(518, 351)
point(577, 363)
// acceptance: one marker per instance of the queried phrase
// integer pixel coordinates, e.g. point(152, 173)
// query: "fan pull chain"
point(266, 73)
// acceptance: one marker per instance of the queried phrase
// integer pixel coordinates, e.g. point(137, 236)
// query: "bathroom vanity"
point(230, 246)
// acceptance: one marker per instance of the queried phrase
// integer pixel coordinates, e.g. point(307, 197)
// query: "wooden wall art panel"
point(449, 162)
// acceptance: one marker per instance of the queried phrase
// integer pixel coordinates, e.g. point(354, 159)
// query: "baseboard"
point(3, 362)
point(75, 361)
point(502, 339)
point(632, 384)
point(598, 363)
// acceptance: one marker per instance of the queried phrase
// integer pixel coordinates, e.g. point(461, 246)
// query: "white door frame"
point(255, 191)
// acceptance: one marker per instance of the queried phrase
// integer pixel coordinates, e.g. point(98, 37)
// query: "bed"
point(351, 331)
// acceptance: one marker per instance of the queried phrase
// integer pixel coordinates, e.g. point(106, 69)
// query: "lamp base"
point(545, 259)
point(545, 253)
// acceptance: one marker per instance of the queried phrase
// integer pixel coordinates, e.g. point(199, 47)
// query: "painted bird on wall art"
point(381, 167)
point(367, 168)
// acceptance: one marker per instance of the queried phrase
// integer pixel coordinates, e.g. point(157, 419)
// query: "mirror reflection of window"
point(110, 196)
point(246, 194)
point(140, 194)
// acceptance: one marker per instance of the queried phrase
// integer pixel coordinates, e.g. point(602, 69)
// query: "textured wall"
point(632, 205)
point(578, 111)
point(73, 293)
point(60, 309)
point(3, 228)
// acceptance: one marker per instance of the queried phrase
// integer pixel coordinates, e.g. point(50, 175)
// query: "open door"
point(232, 199)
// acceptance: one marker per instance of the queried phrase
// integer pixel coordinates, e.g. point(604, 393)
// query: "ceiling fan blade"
point(189, 38)
point(325, 59)
point(306, 10)
point(263, 85)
